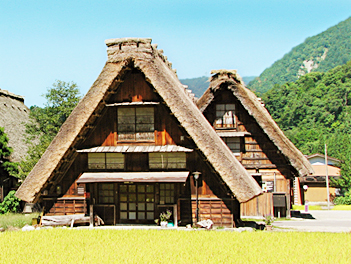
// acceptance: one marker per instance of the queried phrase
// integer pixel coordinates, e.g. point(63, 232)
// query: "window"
point(136, 124)
point(104, 161)
point(160, 160)
point(167, 193)
point(225, 116)
point(106, 193)
point(233, 143)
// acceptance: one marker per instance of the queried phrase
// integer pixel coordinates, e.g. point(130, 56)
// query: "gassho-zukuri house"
point(137, 145)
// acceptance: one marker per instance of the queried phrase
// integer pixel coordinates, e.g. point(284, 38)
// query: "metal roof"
point(133, 103)
point(222, 133)
point(126, 149)
point(172, 176)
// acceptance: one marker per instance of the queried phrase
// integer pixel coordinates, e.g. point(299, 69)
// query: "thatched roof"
point(13, 117)
point(254, 107)
point(124, 54)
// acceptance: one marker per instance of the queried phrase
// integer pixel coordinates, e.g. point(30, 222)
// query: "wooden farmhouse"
point(137, 145)
point(256, 141)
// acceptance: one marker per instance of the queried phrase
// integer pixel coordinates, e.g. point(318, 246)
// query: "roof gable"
point(233, 82)
point(124, 55)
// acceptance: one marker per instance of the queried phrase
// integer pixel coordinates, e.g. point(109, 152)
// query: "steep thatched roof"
point(13, 117)
point(124, 54)
point(254, 107)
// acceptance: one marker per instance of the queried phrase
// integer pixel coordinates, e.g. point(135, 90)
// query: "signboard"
point(268, 186)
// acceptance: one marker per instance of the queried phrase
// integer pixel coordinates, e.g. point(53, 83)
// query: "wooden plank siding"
point(216, 202)
point(259, 206)
point(258, 155)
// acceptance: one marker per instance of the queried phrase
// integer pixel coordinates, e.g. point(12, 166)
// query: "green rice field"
point(170, 246)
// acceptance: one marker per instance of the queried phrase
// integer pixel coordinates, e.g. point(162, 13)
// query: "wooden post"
point(91, 220)
point(175, 215)
point(326, 176)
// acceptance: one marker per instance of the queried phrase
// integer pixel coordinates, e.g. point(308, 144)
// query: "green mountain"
point(318, 53)
point(200, 84)
point(316, 110)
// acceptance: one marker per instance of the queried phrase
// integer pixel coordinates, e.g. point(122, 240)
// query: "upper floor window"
point(233, 143)
point(105, 161)
point(225, 116)
point(161, 160)
point(136, 124)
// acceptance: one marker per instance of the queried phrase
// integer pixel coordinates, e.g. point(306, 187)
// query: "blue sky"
point(44, 41)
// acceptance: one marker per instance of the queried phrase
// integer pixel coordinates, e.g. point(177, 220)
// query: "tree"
point(11, 168)
point(46, 121)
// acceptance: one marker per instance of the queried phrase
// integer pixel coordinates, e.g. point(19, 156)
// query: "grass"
point(169, 246)
point(16, 221)
point(318, 207)
point(310, 207)
point(342, 207)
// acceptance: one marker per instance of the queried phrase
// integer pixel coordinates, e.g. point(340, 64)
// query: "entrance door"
point(137, 203)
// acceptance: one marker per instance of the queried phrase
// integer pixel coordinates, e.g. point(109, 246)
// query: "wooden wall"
point(259, 154)
point(215, 203)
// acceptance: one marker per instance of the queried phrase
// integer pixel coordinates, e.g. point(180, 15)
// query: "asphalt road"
point(318, 221)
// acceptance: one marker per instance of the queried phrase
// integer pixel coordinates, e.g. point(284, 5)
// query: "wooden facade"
point(257, 153)
point(122, 201)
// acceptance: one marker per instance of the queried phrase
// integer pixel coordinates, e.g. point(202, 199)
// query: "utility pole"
point(326, 175)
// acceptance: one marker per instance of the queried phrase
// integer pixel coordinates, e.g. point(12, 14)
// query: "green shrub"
point(344, 200)
point(10, 204)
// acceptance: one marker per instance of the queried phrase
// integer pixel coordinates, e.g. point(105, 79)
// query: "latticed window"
point(233, 143)
point(167, 193)
point(161, 160)
point(106, 193)
point(225, 116)
point(105, 161)
point(136, 124)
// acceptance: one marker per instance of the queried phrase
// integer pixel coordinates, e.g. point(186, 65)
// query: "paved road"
point(320, 221)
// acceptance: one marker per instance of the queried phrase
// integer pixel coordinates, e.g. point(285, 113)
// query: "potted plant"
point(268, 219)
point(164, 217)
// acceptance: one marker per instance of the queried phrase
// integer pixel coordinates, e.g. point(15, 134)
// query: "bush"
point(344, 200)
point(11, 204)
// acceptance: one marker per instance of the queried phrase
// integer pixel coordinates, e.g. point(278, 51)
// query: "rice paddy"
point(170, 246)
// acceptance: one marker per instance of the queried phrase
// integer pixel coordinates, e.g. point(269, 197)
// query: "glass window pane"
point(141, 188)
point(141, 215)
point(123, 197)
point(132, 215)
point(150, 198)
point(141, 206)
point(132, 206)
point(230, 107)
point(132, 197)
point(123, 206)
point(141, 197)
point(149, 206)
point(123, 188)
point(131, 188)
point(149, 188)
point(123, 215)
point(150, 215)
point(220, 107)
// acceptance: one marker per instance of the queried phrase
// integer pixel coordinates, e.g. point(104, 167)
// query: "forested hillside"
point(200, 84)
point(314, 110)
point(318, 53)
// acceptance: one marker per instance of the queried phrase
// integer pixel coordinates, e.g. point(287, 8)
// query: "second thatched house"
point(245, 125)
point(14, 116)
point(137, 145)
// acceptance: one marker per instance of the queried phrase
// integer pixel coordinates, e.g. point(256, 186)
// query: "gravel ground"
point(317, 221)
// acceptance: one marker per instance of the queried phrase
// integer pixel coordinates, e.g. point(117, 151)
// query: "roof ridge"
point(12, 95)
point(118, 47)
